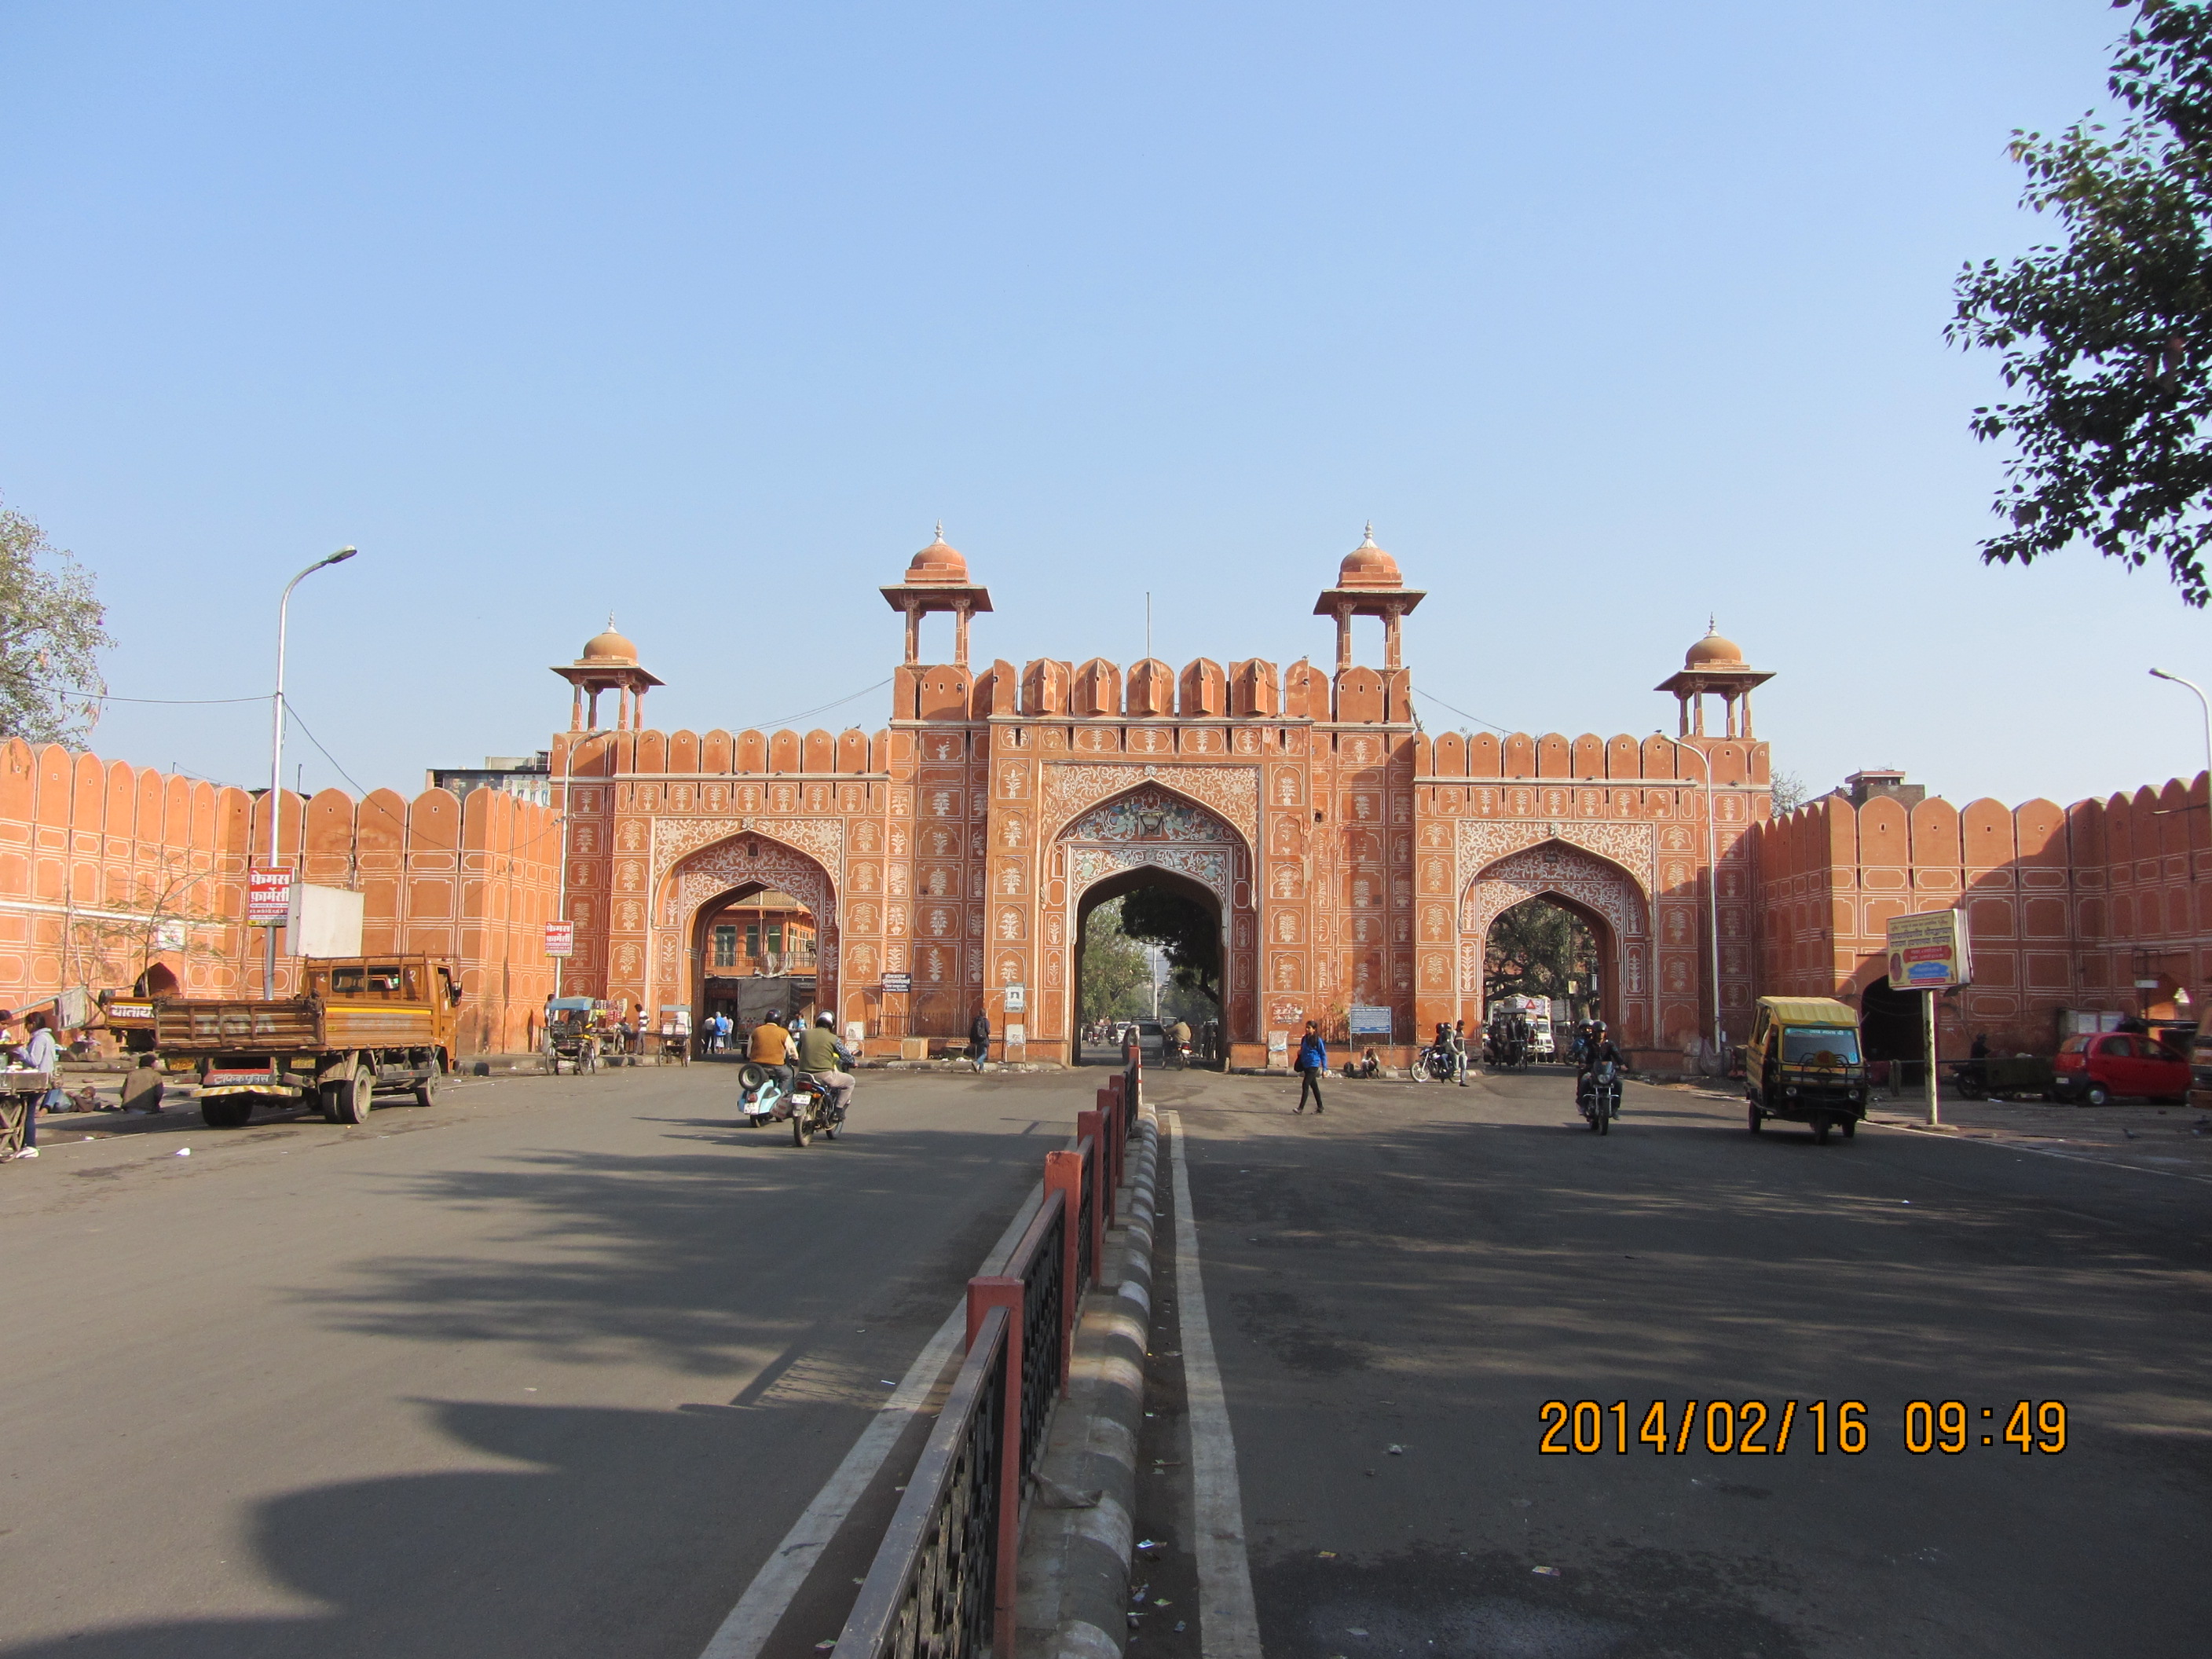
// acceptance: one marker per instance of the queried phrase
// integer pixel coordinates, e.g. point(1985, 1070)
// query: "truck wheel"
point(425, 1089)
point(354, 1097)
point(326, 1098)
point(226, 1111)
point(2096, 1095)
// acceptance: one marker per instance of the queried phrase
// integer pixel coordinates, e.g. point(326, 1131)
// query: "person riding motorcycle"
point(820, 1057)
point(769, 1048)
point(1179, 1036)
point(1597, 1049)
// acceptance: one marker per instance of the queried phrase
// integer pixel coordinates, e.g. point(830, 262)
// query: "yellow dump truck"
point(363, 1025)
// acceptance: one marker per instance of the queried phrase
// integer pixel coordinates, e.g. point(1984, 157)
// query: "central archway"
point(1152, 836)
point(1142, 878)
point(1607, 900)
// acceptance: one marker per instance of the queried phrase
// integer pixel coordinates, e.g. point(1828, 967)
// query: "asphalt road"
point(548, 1369)
point(1396, 1289)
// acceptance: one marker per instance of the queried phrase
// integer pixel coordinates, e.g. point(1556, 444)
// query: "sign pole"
point(1934, 1102)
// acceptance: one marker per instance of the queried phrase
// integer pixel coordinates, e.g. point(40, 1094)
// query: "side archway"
point(1606, 897)
point(703, 883)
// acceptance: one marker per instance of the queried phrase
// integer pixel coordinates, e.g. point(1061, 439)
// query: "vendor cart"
point(676, 1033)
point(20, 1094)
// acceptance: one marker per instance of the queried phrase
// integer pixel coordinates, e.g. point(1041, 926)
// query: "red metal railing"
point(939, 1589)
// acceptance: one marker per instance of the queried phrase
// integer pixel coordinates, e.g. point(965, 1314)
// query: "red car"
point(2090, 1070)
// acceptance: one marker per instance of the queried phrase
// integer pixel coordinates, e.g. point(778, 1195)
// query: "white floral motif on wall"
point(1232, 791)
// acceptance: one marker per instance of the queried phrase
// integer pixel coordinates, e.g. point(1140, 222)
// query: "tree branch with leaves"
point(2108, 334)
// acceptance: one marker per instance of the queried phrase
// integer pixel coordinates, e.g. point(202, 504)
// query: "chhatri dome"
point(937, 564)
point(609, 647)
point(1369, 565)
point(1713, 651)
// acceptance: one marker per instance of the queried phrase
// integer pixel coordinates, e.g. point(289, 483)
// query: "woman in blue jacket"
point(1313, 1061)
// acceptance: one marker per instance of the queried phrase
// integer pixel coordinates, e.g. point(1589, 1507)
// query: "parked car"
point(2092, 1069)
point(2200, 1069)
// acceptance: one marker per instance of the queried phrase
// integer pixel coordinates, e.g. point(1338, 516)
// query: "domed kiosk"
point(1368, 584)
point(609, 663)
point(937, 580)
point(1714, 666)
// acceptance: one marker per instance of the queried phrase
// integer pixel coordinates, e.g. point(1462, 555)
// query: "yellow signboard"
point(1929, 951)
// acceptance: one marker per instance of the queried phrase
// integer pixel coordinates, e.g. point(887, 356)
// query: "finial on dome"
point(1712, 623)
point(940, 534)
point(610, 622)
point(1368, 540)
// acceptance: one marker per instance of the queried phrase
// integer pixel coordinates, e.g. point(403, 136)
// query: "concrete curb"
point(1073, 1585)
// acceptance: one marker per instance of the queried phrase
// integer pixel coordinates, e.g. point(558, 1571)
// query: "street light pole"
point(2160, 674)
point(1712, 900)
point(277, 750)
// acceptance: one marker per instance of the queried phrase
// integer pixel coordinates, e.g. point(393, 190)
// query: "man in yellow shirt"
point(769, 1042)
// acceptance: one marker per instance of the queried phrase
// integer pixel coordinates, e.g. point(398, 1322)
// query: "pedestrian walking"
point(1313, 1061)
point(1456, 1045)
point(979, 1039)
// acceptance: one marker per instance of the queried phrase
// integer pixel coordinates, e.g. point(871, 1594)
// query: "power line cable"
point(1462, 713)
point(806, 714)
point(109, 696)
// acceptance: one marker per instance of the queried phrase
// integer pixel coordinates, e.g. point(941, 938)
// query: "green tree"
point(49, 638)
point(1185, 929)
point(1534, 950)
point(2108, 335)
point(1116, 976)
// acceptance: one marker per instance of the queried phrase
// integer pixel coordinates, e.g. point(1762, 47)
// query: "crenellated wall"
point(97, 858)
point(2067, 908)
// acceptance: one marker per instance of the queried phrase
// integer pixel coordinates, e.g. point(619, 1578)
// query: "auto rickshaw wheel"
point(1820, 1128)
point(1758, 1118)
point(1851, 1126)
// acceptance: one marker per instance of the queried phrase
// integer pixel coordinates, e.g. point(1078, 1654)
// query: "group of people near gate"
point(1593, 1046)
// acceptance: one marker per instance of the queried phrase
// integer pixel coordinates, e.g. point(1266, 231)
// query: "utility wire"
point(106, 696)
point(1462, 713)
point(805, 713)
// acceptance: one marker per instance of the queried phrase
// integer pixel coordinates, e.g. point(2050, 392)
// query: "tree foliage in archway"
point(1535, 949)
point(1116, 977)
point(1183, 927)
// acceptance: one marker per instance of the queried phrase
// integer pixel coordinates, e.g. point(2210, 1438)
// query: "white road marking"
point(745, 1632)
point(1228, 1620)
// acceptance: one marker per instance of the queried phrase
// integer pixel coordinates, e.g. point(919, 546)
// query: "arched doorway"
point(1150, 839)
point(1548, 948)
point(1200, 922)
point(756, 925)
point(1606, 898)
point(1892, 1022)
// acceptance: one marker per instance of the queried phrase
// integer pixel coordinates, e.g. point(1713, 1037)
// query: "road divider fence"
point(942, 1585)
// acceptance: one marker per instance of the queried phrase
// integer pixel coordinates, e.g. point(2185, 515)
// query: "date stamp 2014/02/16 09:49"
point(1757, 1427)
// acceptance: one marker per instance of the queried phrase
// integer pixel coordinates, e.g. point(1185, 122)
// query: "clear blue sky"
point(1607, 316)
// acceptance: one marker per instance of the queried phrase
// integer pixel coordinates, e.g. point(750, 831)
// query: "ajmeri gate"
point(1352, 860)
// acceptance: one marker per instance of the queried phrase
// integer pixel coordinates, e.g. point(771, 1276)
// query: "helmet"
point(824, 1019)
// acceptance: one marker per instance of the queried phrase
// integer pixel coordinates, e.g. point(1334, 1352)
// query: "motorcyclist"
point(1597, 1049)
point(821, 1057)
point(1179, 1035)
point(768, 1047)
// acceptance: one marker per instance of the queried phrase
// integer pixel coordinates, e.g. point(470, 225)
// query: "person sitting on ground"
point(141, 1087)
point(820, 1057)
point(1370, 1066)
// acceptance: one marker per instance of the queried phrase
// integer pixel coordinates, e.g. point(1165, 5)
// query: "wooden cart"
point(20, 1093)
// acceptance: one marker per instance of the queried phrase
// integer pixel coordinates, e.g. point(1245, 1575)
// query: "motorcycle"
point(1971, 1078)
point(1179, 1053)
point(1598, 1096)
point(1436, 1063)
point(769, 1094)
